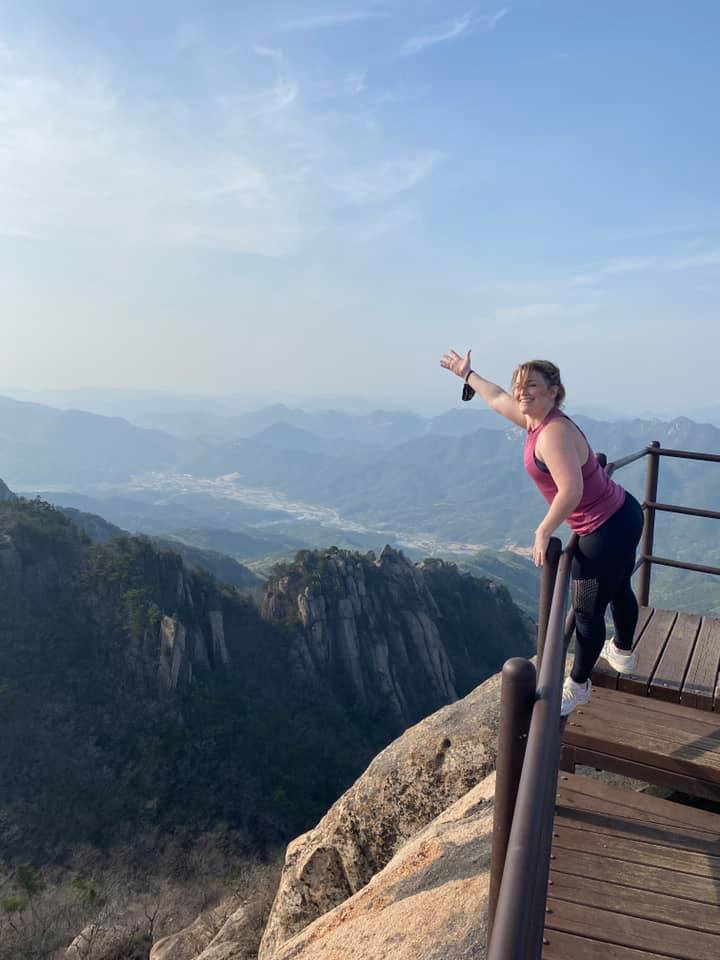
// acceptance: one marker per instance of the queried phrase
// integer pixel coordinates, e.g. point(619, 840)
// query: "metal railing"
point(651, 506)
point(529, 735)
point(527, 771)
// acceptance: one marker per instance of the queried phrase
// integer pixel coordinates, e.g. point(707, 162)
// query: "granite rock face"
point(380, 631)
point(428, 903)
point(398, 867)
point(408, 785)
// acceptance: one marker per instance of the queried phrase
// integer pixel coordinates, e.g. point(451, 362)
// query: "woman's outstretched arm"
point(494, 396)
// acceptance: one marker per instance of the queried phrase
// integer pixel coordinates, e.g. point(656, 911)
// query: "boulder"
point(428, 903)
point(408, 785)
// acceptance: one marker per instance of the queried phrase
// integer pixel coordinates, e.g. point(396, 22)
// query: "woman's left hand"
point(542, 539)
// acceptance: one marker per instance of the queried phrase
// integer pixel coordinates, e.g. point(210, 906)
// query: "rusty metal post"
point(517, 696)
point(547, 585)
point(648, 534)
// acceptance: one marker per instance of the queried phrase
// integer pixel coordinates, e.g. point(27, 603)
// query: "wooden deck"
point(678, 660)
point(662, 722)
point(662, 743)
point(632, 877)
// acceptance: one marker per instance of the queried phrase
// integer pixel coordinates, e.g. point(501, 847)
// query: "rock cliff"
point(409, 784)
point(398, 867)
point(398, 639)
point(148, 697)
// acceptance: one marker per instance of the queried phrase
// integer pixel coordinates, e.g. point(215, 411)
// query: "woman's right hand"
point(455, 363)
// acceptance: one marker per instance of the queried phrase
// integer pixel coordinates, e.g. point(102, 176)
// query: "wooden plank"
point(567, 802)
point(654, 706)
point(633, 800)
point(649, 650)
point(636, 851)
point(637, 902)
point(617, 928)
point(635, 722)
point(702, 675)
point(702, 890)
point(693, 785)
point(674, 720)
point(648, 737)
point(657, 833)
point(603, 674)
point(667, 681)
point(559, 945)
point(694, 758)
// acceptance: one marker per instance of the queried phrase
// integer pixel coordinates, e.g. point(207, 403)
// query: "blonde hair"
point(547, 370)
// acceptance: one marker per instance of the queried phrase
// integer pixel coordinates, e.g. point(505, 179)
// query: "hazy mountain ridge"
point(49, 446)
point(436, 490)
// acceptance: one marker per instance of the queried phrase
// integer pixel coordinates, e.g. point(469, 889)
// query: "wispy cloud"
point(246, 166)
point(534, 311)
point(625, 266)
point(326, 20)
point(382, 181)
point(451, 29)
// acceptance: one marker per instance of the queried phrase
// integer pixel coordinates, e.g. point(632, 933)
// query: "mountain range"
point(447, 485)
point(138, 696)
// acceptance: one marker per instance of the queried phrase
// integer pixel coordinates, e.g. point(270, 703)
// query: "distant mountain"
point(518, 574)
point(225, 569)
point(378, 430)
point(95, 527)
point(5, 492)
point(411, 478)
point(283, 436)
point(42, 445)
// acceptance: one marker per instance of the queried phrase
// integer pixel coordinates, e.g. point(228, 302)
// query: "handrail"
point(530, 731)
point(682, 564)
point(519, 917)
point(687, 511)
point(651, 506)
point(686, 454)
point(624, 461)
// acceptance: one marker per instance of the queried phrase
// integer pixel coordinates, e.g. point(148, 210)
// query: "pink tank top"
point(601, 497)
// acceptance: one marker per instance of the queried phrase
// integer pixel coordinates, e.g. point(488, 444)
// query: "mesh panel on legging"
point(590, 626)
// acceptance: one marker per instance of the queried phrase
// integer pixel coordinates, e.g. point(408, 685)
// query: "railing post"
point(517, 695)
point(547, 585)
point(648, 534)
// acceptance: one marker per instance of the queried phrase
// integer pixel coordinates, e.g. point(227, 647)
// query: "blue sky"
point(323, 197)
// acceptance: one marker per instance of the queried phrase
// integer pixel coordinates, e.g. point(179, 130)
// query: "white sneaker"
point(574, 695)
point(624, 661)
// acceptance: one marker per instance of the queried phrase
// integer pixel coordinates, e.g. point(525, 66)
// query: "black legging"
point(601, 571)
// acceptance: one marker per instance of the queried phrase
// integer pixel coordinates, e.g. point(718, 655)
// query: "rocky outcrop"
point(375, 628)
point(192, 941)
point(165, 699)
point(229, 932)
point(409, 784)
point(399, 865)
point(429, 902)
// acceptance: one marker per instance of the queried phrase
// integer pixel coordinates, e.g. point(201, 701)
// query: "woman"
point(607, 519)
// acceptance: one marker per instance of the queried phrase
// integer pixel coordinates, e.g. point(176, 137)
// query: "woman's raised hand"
point(455, 363)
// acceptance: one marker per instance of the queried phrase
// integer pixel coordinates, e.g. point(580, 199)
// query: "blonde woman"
point(607, 519)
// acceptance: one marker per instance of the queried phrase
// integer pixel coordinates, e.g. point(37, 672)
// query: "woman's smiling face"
point(534, 394)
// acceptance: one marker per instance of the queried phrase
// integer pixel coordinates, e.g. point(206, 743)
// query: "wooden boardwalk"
point(632, 877)
point(660, 723)
point(678, 660)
